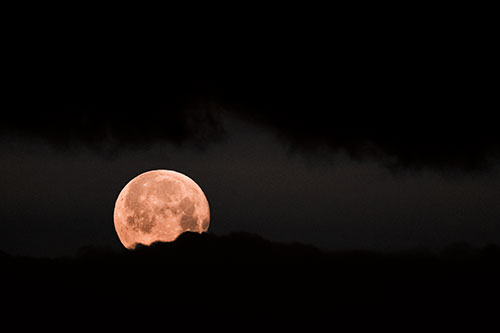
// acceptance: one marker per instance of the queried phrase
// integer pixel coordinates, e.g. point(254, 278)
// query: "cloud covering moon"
point(159, 205)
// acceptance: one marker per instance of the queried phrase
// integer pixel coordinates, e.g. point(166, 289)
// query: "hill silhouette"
point(241, 276)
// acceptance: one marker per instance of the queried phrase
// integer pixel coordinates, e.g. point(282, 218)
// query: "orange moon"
point(159, 205)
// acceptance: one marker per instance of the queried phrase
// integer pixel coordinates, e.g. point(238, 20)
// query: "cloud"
point(408, 110)
point(127, 122)
point(421, 141)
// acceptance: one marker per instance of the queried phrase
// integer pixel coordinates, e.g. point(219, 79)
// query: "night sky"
point(350, 158)
point(384, 143)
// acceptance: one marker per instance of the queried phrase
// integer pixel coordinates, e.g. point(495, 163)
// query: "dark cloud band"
point(410, 111)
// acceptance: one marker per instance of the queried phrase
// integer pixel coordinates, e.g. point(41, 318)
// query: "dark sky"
point(361, 142)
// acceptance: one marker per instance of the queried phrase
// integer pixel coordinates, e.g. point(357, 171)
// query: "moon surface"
point(159, 205)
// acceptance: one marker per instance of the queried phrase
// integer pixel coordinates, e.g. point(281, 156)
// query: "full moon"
point(159, 205)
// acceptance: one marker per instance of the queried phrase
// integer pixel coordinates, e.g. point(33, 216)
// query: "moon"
point(159, 205)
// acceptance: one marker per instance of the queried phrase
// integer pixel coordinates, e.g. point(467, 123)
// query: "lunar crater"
point(187, 206)
point(190, 223)
point(204, 225)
